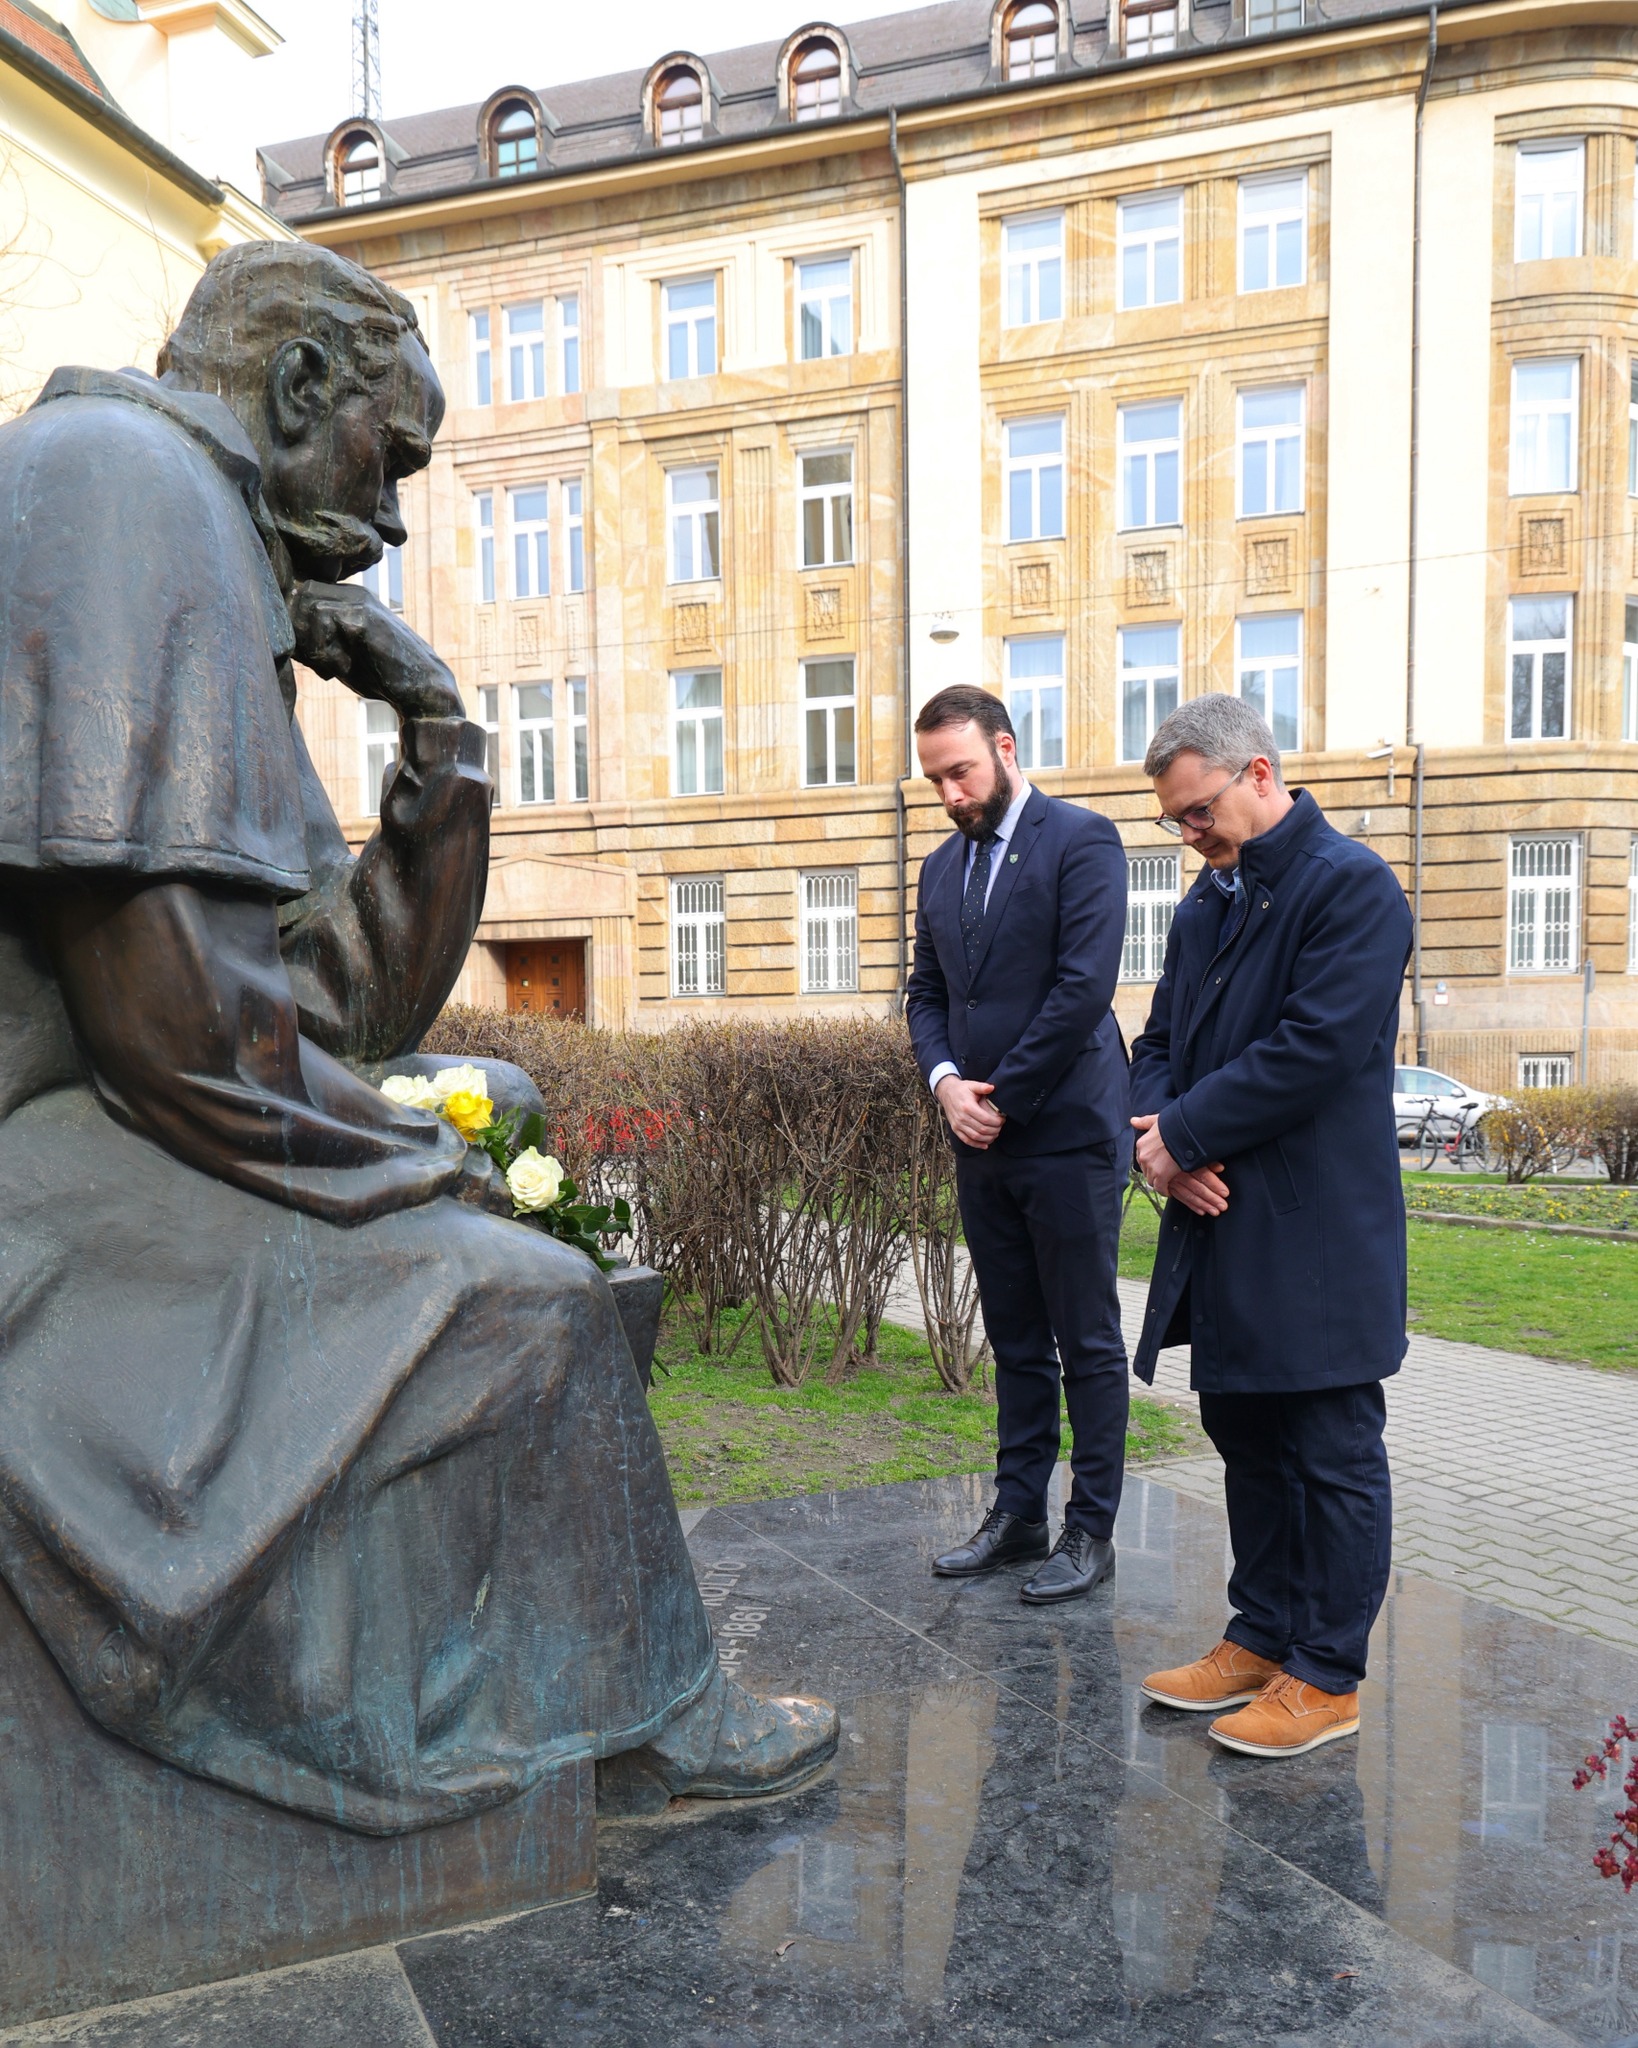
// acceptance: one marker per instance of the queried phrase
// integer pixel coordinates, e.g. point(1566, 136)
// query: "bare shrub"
point(945, 1279)
point(1612, 1131)
point(1540, 1130)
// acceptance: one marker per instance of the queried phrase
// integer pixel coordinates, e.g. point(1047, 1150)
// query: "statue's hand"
point(342, 631)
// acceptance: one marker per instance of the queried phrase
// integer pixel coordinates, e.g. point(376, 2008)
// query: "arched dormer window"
point(816, 81)
point(1029, 39)
point(514, 140)
point(679, 107)
point(358, 168)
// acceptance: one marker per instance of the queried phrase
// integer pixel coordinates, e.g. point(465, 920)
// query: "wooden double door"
point(547, 977)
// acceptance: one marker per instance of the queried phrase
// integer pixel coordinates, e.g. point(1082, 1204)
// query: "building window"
point(696, 732)
point(379, 729)
point(1151, 26)
point(537, 757)
point(1632, 419)
point(1546, 1069)
point(385, 579)
point(1148, 685)
point(1030, 39)
point(698, 939)
point(1263, 17)
point(1543, 905)
point(483, 369)
point(1513, 1780)
point(827, 508)
point(1034, 264)
point(1547, 201)
point(816, 81)
point(691, 328)
point(579, 737)
point(1544, 420)
point(1151, 900)
point(1273, 231)
point(1149, 234)
point(516, 141)
point(1632, 908)
point(830, 934)
point(489, 719)
point(824, 308)
point(679, 108)
point(358, 163)
point(531, 542)
point(525, 351)
point(568, 329)
point(1035, 699)
point(1629, 672)
point(1268, 672)
point(1035, 479)
point(1538, 668)
point(1151, 443)
point(574, 528)
point(829, 749)
point(1271, 435)
point(693, 521)
point(483, 511)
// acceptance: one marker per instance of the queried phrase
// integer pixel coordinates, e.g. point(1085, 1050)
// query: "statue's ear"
point(298, 387)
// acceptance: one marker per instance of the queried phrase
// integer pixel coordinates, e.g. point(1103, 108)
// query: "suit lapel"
point(1025, 837)
point(944, 908)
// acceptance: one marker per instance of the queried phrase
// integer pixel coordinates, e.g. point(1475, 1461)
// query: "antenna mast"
point(367, 59)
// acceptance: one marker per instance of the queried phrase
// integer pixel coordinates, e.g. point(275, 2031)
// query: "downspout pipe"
point(1418, 1007)
point(903, 822)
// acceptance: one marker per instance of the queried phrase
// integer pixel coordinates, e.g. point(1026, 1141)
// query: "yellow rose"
point(448, 1081)
point(534, 1180)
point(413, 1091)
point(469, 1113)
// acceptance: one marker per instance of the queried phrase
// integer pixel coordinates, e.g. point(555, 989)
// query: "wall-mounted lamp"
point(1441, 992)
point(1384, 752)
point(943, 630)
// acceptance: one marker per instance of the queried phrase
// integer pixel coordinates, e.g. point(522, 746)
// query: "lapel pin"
point(1013, 858)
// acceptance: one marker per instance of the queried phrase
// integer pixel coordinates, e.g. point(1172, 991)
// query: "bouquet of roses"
point(542, 1193)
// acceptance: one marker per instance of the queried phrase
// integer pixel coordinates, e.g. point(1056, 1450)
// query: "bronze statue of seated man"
point(317, 1477)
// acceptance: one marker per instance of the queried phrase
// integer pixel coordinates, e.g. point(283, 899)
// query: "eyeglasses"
point(1199, 817)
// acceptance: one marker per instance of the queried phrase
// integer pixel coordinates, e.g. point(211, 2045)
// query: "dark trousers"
point(1043, 1233)
point(1310, 1512)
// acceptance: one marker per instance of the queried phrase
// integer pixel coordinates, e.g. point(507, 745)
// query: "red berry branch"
point(1619, 1858)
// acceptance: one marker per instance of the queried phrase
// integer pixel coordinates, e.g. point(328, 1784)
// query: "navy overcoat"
point(1270, 1047)
point(1033, 1015)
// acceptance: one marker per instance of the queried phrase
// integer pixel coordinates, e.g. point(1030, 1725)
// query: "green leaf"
point(532, 1132)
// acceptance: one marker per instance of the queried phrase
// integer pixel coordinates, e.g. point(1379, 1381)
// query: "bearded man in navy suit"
point(1020, 920)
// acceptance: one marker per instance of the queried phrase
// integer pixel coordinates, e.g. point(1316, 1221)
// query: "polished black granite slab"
point(1012, 1849)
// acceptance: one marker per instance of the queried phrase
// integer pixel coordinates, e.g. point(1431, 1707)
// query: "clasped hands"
point(344, 632)
point(1202, 1188)
point(975, 1121)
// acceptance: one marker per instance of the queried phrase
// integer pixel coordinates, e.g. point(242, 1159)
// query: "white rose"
point(448, 1081)
point(414, 1091)
point(534, 1180)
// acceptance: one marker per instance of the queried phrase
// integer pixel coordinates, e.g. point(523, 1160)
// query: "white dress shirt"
point(1003, 832)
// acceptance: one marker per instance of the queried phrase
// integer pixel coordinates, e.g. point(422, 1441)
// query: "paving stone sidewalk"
point(1513, 1476)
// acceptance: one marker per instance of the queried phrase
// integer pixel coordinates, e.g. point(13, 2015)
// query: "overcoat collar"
point(1263, 861)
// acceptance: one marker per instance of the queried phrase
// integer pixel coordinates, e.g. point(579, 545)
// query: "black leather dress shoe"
point(1077, 1562)
point(999, 1539)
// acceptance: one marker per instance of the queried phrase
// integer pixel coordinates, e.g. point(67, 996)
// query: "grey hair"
point(1224, 731)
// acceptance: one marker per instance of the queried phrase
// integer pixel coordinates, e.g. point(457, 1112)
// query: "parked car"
point(1415, 1088)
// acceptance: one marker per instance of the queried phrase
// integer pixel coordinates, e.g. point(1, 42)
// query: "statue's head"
point(325, 367)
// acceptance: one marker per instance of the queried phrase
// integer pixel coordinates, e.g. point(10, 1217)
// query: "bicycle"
point(1446, 1140)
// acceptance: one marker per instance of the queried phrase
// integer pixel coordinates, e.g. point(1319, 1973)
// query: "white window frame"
point(1267, 17)
point(699, 936)
point(574, 534)
point(1149, 28)
point(693, 527)
point(695, 325)
point(378, 735)
point(1632, 906)
point(489, 717)
point(535, 745)
point(1508, 1767)
point(1270, 438)
point(1530, 472)
point(1546, 1069)
point(1274, 675)
point(483, 356)
point(1629, 671)
point(1032, 267)
point(698, 736)
point(1148, 242)
point(1145, 464)
point(1034, 667)
point(830, 723)
point(829, 949)
point(1533, 232)
point(483, 518)
point(1149, 676)
point(531, 538)
point(1538, 650)
point(574, 689)
point(568, 343)
point(834, 502)
point(1153, 886)
point(1632, 412)
point(1268, 222)
point(525, 341)
point(385, 579)
point(831, 309)
point(1034, 470)
point(1544, 903)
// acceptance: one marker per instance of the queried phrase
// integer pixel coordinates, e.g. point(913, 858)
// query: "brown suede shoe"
point(1288, 1718)
point(1227, 1677)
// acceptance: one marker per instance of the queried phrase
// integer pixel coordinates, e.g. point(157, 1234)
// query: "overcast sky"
point(434, 54)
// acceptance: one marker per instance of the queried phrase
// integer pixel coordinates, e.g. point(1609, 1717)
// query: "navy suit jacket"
point(1272, 1050)
point(1033, 1015)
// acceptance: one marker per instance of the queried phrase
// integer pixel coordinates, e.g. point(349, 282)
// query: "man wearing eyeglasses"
point(1262, 1095)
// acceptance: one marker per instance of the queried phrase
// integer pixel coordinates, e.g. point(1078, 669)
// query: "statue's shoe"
point(731, 1744)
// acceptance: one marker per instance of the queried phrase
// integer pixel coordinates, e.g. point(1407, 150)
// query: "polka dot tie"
point(972, 904)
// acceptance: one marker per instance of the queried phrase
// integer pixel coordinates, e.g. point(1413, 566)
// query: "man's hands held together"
point(975, 1121)
point(1203, 1190)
